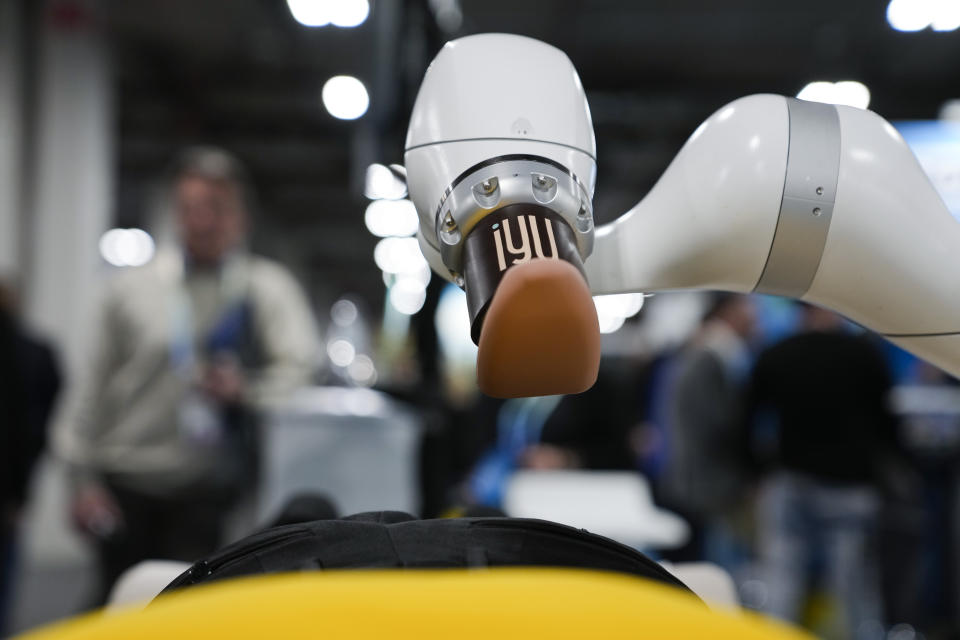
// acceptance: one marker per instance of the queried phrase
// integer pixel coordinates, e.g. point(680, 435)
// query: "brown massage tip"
point(540, 335)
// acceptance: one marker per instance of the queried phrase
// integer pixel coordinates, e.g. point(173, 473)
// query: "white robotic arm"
point(771, 194)
point(817, 202)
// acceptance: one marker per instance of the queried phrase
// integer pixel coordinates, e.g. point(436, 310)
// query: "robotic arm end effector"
point(503, 183)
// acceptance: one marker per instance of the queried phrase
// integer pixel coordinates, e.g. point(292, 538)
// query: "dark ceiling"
point(245, 75)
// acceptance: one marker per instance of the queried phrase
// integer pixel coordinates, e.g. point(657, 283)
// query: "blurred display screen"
point(936, 144)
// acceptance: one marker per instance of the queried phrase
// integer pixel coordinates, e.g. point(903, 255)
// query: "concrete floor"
point(44, 594)
point(54, 573)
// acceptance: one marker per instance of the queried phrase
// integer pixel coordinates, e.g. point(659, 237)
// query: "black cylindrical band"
point(509, 236)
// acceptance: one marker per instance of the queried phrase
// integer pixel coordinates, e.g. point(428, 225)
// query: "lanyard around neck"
point(234, 284)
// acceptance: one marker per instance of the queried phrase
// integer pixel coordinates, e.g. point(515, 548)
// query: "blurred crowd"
point(813, 462)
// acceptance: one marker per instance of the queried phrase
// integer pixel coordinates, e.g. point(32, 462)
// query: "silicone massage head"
point(540, 335)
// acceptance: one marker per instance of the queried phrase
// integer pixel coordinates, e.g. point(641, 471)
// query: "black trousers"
point(185, 527)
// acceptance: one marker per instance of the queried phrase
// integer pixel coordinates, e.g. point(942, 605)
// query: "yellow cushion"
point(447, 603)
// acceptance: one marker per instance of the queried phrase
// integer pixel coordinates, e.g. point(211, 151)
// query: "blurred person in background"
point(162, 442)
point(920, 537)
point(822, 431)
point(705, 474)
point(29, 384)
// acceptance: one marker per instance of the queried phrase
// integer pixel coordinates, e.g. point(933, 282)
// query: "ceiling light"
point(310, 13)
point(344, 312)
point(348, 13)
point(362, 371)
point(319, 13)
point(127, 247)
point(382, 183)
point(400, 256)
point(917, 15)
point(947, 17)
point(385, 218)
point(341, 352)
point(407, 295)
point(908, 15)
point(345, 97)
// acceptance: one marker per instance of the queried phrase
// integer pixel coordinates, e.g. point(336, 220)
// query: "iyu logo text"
point(507, 248)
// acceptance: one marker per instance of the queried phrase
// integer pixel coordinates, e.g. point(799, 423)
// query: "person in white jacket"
point(162, 439)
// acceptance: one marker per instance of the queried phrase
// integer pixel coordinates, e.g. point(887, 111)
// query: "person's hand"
point(223, 380)
point(95, 511)
point(543, 457)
